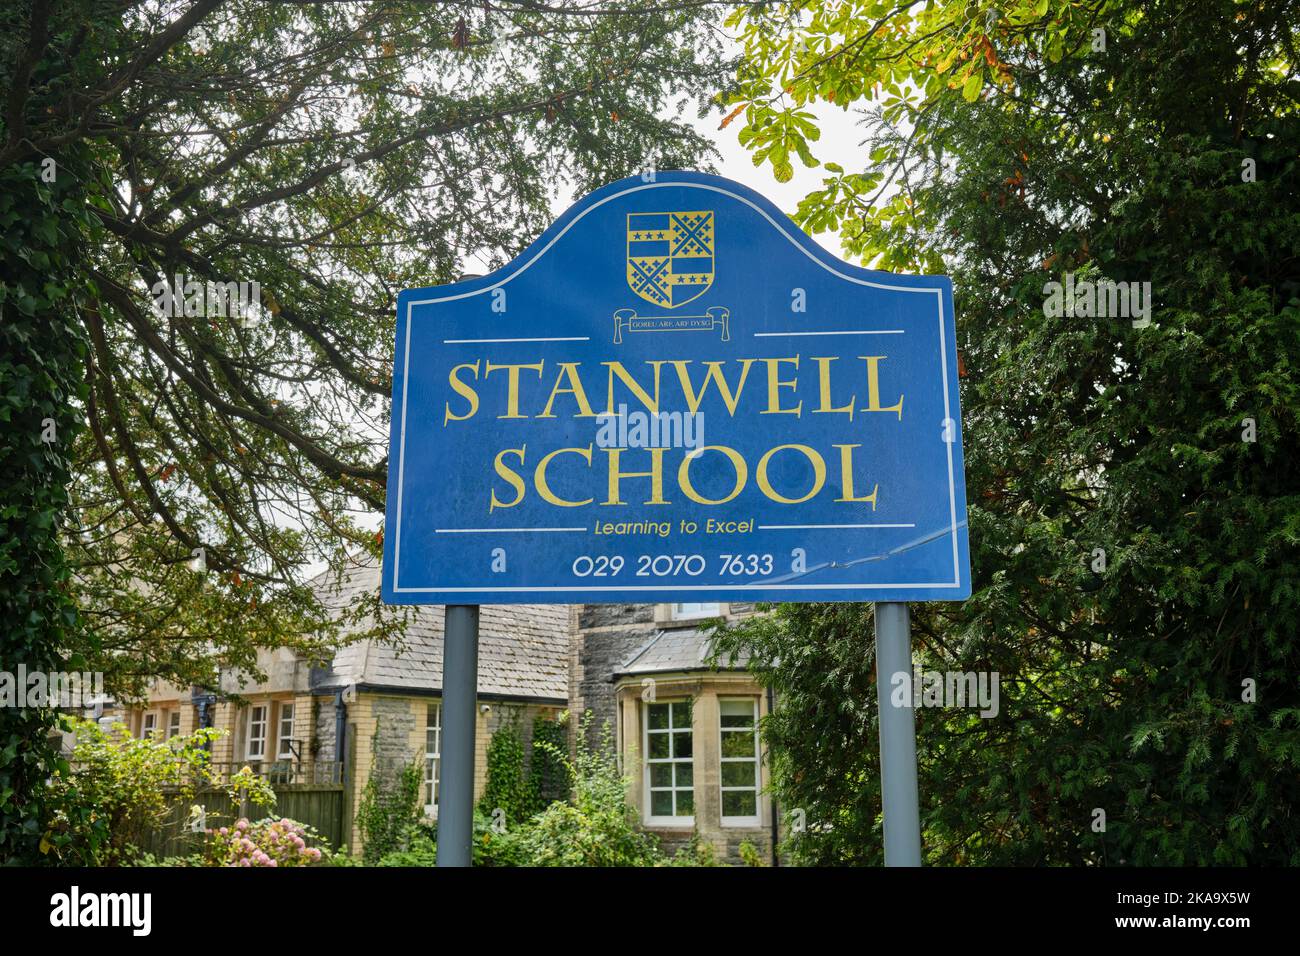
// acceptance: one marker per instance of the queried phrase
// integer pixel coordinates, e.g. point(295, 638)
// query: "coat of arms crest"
point(670, 256)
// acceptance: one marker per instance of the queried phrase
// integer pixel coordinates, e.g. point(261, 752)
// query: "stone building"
point(686, 731)
point(687, 727)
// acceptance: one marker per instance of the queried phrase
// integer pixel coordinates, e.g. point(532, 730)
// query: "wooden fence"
point(313, 794)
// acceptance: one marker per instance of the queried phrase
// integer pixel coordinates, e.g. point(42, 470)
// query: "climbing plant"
point(42, 377)
point(389, 809)
point(548, 776)
point(506, 795)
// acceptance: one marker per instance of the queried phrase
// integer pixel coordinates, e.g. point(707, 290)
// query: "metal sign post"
point(456, 762)
point(898, 787)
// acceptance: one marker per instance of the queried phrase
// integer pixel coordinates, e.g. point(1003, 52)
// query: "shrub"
point(695, 853)
point(117, 790)
point(421, 850)
point(749, 854)
point(598, 828)
point(247, 787)
point(267, 842)
point(493, 845)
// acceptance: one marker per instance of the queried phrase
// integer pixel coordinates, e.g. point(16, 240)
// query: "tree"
point(295, 165)
point(1134, 527)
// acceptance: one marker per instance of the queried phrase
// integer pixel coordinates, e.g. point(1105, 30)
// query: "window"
point(285, 747)
point(432, 756)
point(669, 766)
point(689, 612)
point(257, 732)
point(148, 724)
point(739, 749)
point(173, 724)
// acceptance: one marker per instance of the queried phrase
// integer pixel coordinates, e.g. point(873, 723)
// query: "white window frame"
point(647, 761)
point(148, 724)
point(679, 612)
point(253, 721)
point(432, 758)
point(174, 723)
point(283, 737)
point(756, 819)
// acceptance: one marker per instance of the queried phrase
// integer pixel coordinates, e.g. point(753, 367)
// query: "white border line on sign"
point(813, 527)
point(768, 335)
point(570, 338)
point(498, 530)
point(406, 362)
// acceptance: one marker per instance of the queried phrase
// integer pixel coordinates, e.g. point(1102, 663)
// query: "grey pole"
point(459, 696)
point(898, 788)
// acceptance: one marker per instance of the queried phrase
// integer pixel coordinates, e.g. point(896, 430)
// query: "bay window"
point(740, 759)
point(668, 744)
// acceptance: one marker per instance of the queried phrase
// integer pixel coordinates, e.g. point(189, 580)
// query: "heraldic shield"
point(670, 256)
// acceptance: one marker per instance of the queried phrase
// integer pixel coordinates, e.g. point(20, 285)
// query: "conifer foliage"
point(1134, 505)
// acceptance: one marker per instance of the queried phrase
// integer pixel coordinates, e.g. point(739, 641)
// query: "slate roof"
point(523, 649)
point(676, 649)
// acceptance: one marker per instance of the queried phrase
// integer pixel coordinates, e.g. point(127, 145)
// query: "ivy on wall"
point(548, 775)
point(42, 375)
point(506, 796)
point(390, 810)
point(520, 788)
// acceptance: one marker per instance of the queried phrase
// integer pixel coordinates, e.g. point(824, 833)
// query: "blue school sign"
point(675, 395)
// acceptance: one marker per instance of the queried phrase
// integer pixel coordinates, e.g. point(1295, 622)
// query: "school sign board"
point(675, 395)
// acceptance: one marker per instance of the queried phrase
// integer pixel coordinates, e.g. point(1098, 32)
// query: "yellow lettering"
point(873, 387)
point(846, 477)
point(737, 462)
point(774, 386)
point(464, 389)
point(616, 368)
point(544, 489)
point(512, 394)
point(511, 476)
point(569, 370)
point(819, 474)
point(824, 380)
point(714, 374)
point(655, 474)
